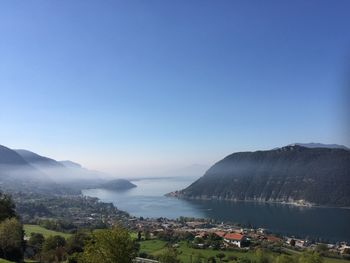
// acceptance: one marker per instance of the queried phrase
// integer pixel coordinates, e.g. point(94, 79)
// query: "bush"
point(110, 246)
point(11, 240)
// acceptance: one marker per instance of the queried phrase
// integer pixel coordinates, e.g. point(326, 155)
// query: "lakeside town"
point(229, 236)
point(70, 213)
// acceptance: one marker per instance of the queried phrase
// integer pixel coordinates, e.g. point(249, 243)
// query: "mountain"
point(16, 174)
point(9, 157)
point(38, 160)
point(23, 170)
point(319, 176)
point(118, 184)
point(64, 172)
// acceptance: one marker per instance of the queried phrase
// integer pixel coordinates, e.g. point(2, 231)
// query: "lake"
point(148, 200)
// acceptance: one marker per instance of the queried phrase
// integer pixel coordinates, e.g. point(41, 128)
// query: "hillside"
point(38, 160)
point(319, 176)
point(16, 174)
point(9, 157)
point(23, 170)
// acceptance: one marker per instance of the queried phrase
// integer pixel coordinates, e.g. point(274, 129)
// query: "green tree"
point(11, 240)
point(147, 234)
point(169, 256)
point(53, 249)
point(7, 207)
point(75, 243)
point(110, 246)
point(139, 235)
point(53, 242)
point(36, 241)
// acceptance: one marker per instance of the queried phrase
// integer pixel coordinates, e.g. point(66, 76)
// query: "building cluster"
point(232, 236)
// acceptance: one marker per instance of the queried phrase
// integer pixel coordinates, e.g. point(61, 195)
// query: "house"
point(235, 239)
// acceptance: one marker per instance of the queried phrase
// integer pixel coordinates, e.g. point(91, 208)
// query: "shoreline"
point(298, 203)
point(271, 230)
point(237, 224)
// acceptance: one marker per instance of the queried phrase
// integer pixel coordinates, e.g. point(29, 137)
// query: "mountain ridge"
point(25, 170)
point(290, 174)
point(320, 145)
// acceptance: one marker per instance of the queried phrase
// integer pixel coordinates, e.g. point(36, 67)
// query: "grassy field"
point(187, 253)
point(156, 247)
point(28, 229)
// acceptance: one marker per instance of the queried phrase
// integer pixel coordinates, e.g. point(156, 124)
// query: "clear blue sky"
point(128, 85)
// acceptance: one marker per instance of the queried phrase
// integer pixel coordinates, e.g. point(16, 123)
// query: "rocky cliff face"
point(295, 174)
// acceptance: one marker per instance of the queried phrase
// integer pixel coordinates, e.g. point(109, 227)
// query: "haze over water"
point(148, 200)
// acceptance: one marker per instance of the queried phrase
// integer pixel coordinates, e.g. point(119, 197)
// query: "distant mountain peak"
point(295, 173)
point(320, 145)
point(10, 157)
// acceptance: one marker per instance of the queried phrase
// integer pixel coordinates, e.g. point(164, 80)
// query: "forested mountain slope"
point(289, 174)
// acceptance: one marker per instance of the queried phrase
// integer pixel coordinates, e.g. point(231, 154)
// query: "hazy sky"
point(125, 86)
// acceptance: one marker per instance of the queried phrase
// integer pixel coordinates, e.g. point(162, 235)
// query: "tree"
point(11, 240)
point(110, 246)
point(53, 249)
point(147, 234)
point(75, 243)
point(7, 207)
point(292, 242)
point(139, 235)
point(53, 242)
point(36, 241)
point(169, 256)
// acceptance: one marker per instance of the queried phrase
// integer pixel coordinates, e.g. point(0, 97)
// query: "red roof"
point(234, 236)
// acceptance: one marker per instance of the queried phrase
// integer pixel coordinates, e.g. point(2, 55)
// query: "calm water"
point(148, 200)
